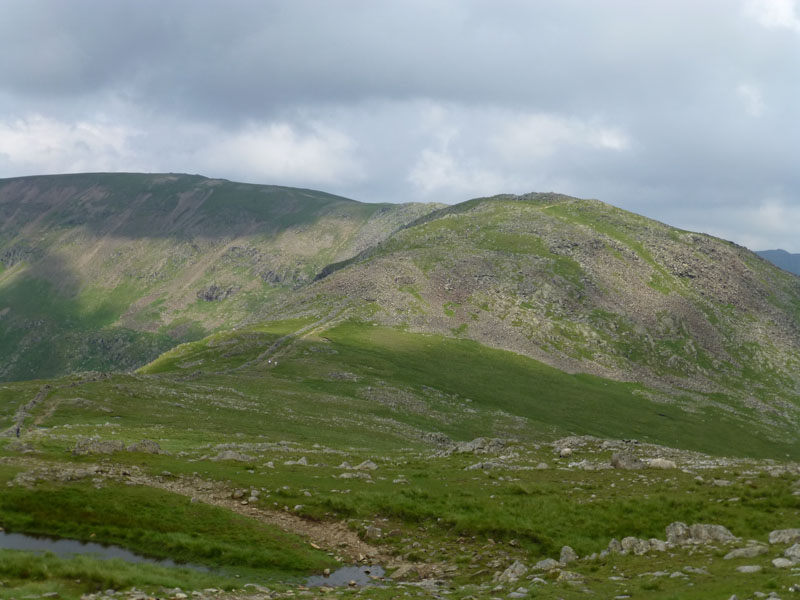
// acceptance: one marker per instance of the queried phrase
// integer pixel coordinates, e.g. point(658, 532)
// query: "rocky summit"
point(267, 392)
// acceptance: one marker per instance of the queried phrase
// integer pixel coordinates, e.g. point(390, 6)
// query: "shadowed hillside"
point(106, 271)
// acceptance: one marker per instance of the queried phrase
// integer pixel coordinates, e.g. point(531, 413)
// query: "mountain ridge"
point(783, 259)
point(135, 263)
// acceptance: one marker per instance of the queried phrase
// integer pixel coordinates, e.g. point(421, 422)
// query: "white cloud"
point(529, 137)
point(280, 152)
point(774, 14)
point(39, 145)
point(752, 99)
point(439, 172)
point(469, 151)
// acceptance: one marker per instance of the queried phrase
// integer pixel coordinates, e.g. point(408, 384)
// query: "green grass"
point(157, 524)
point(25, 574)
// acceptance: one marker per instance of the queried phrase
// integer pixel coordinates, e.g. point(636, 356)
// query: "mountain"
point(107, 271)
point(783, 259)
point(452, 394)
point(586, 288)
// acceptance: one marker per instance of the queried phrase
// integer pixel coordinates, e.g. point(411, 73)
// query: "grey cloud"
point(351, 87)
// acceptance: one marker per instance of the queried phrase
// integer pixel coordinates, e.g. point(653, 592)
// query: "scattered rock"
point(367, 465)
point(749, 568)
point(568, 555)
point(678, 533)
point(623, 460)
point(570, 577)
point(146, 447)
point(95, 445)
point(233, 455)
point(703, 533)
point(513, 573)
point(215, 293)
point(548, 564)
point(793, 552)
point(782, 563)
point(747, 552)
point(784, 536)
point(699, 533)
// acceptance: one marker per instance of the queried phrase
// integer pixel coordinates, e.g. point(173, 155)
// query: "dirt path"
point(334, 537)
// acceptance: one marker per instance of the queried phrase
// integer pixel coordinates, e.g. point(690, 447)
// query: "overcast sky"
point(684, 111)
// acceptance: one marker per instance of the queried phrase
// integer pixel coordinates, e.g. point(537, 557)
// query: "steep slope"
point(106, 271)
point(586, 287)
point(783, 259)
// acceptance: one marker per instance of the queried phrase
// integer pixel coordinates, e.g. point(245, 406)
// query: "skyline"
point(679, 112)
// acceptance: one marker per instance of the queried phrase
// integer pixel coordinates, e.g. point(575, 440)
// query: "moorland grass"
point(158, 524)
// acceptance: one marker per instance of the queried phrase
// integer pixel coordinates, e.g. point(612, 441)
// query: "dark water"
point(69, 548)
point(61, 547)
point(343, 576)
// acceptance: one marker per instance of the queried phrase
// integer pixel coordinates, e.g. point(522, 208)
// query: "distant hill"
point(106, 271)
point(783, 259)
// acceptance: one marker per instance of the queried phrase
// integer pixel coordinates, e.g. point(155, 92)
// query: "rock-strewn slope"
point(587, 287)
point(106, 271)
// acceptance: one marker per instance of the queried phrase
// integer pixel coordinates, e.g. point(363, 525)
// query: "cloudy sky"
point(682, 110)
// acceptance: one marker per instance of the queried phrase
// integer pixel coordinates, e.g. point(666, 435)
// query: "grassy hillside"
point(586, 287)
point(348, 433)
point(107, 271)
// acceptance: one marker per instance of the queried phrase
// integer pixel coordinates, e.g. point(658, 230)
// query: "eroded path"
point(335, 537)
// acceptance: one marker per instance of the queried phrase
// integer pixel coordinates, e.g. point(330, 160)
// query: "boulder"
point(784, 536)
point(623, 460)
point(548, 564)
point(678, 533)
point(704, 533)
point(570, 577)
point(95, 445)
point(233, 455)
point(513, 573)
point(746, 552)
point(793, 552)
point(367, 465)
point(749, 568)
point(782, 563)
point(568, 555)
point(146, 447)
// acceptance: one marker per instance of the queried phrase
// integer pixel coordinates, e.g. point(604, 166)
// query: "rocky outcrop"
point(623, 460)
point(215, 293)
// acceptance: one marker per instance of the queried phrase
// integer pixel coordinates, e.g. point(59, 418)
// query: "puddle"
point(343, 577)
point(67, 548)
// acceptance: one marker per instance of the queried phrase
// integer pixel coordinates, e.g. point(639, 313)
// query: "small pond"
point(343, 577)
point(67, 548)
